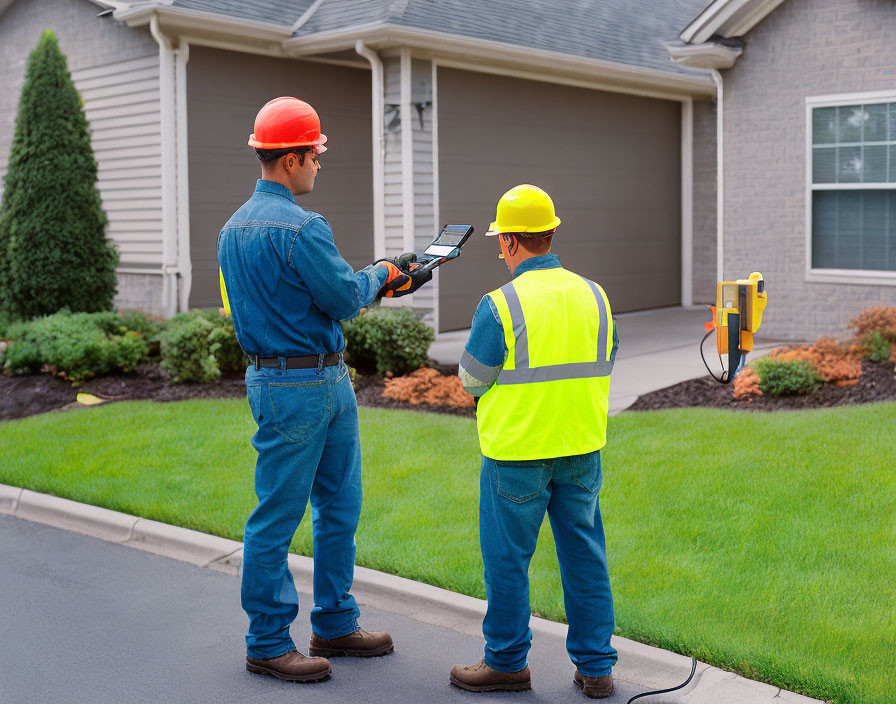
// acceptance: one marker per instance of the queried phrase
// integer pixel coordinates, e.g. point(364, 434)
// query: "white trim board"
point(865, 277)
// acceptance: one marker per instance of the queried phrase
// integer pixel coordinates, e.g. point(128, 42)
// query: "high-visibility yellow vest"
point(552, 394)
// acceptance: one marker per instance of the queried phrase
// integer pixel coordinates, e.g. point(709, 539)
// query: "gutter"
point(430, 43)
point(377, 89)
point(720, 175)
point(169, 169)
point(209, 22)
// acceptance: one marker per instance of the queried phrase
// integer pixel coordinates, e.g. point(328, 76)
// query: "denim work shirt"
point(287, 284)
point(486, 350)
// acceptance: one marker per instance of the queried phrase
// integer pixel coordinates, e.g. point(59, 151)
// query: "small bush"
point(387, 340)
point(880, 319)
point(428, 386)
point(834, 363)
point(74, 346)
point(746, 384)
point(778, 377)
point(5, 321)
point(199, 346)
point(876, 347)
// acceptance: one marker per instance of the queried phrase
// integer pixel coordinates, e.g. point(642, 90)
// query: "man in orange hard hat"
point(287, 288)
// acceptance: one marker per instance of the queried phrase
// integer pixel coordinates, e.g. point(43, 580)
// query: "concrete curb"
point(638, 663)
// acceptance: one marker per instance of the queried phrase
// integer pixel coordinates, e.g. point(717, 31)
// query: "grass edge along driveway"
point(760, 543)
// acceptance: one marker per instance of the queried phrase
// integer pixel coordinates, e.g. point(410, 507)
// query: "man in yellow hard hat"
point(287, 287)
point(538, 359)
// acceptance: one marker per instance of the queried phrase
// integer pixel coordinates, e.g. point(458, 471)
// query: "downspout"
point(169, 166)
point(379, 147)
point(184, 263)
point(720, 176)
point(407, 157)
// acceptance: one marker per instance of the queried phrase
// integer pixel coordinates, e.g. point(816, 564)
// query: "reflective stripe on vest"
point(522, 373)
point(552, 394)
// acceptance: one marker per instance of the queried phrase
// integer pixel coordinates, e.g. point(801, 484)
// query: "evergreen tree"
point(53, 248)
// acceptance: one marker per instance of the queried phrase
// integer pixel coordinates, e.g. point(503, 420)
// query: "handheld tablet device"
point(444, 247)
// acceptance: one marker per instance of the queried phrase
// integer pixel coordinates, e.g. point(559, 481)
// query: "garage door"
point(611, 162)
point(225, 91)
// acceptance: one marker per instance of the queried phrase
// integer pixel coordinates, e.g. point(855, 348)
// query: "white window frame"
point(841, 276)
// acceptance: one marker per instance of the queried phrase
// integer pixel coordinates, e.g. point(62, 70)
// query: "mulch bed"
point(877, 383)
point(22, 396)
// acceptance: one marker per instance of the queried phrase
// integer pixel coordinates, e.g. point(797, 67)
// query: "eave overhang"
point(274, 39)
point(727, 18)
point(709, 55)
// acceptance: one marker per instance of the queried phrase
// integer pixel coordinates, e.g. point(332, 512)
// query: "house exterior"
point(808, 175)
point(433, 110)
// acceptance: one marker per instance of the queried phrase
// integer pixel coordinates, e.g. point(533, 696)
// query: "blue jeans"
point(513, 499)
point(308, 447)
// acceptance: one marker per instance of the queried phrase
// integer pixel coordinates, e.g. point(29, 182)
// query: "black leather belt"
point(309, 361)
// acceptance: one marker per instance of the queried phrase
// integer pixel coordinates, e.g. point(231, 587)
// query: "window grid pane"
point(854, 230)
point(854, 143)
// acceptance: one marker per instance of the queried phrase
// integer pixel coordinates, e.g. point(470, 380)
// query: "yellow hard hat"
point(524, 208)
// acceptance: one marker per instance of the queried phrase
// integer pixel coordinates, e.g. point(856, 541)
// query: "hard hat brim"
point(319, 142)
point(493, 229)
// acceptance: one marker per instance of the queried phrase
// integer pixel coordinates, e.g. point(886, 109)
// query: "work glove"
point(397, 282)
point(402, 261)
point(403, 277)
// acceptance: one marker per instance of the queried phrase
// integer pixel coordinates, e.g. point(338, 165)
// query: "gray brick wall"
point(88, 42)
point(704, 239)
point(804, 48)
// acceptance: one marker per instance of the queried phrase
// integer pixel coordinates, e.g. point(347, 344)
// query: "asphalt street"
point(88, 621)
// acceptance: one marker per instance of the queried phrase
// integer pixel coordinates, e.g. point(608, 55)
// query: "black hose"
point(666, 691)
point(723, 379)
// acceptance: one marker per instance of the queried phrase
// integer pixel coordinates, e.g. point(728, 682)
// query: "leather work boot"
point(594, 687)
point(359, 644)
point(292, 666)
point(481, 678)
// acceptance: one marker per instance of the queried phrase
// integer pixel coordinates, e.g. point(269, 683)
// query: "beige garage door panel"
point(225, 91)
point(611, 163)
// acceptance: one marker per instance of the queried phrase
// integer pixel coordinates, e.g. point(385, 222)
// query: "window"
point(852, 190)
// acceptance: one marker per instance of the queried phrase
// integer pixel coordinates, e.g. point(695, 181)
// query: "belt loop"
point(320, 362)
point(281, 362)
point(256, 363)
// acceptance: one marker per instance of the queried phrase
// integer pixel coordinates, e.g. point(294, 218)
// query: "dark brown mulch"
point(878, 383)
point(22, 396)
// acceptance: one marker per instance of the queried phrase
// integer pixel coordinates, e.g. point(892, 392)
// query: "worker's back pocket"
point(521, 481)
point(299, 409)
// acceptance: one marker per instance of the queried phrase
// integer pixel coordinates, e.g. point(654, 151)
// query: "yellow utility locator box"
point(736, 316)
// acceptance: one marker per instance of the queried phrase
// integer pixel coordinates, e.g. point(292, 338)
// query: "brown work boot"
point(481, 678)
point(292, 666)
point(594, 687)
point(359, 644)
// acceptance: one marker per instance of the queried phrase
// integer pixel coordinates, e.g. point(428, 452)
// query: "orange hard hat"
point(287, 122)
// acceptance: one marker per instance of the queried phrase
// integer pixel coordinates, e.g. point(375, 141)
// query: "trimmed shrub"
point(880, 319)
point(387, 340)
point(876, 347)
point(746, 384)
point(428, 386)
point(199, 346)
point(74, 346)
point(53, 249)
point(779, 378)
point(828, 357)
point(5, 321)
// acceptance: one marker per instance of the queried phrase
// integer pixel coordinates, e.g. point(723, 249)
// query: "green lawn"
point(761, 543)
